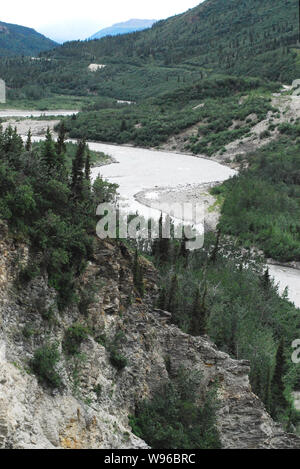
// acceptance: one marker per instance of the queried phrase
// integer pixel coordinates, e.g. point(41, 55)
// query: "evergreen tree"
point(266, 280)
point(161, 302)
point(173, 303)
point(213, 257)
point(28, 144)
point(183, 251)
point(138, 277)
point(161, 246)
point(49, 154)
point(12, 142)
point(60, 144)
point(278, 401)
point(77, 170)
point(123, 126)
point(87, 168)
point(199, 315)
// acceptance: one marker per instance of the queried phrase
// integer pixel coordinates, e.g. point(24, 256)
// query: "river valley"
point(151, 178)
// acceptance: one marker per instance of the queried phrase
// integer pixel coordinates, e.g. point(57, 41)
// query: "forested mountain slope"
point(19, 40)
point(232, 37)
point(224, 35)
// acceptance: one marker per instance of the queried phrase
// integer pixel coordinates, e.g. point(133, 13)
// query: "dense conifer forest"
point(20, 41)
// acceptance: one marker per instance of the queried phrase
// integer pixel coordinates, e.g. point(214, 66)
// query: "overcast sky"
point(78, 19)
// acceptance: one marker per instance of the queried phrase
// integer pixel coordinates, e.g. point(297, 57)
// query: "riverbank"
point(33, 113)
point(37, 128)
point(152, 178)
point(195, 194)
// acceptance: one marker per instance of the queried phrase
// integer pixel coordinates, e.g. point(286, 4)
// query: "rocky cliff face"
point(92, 410)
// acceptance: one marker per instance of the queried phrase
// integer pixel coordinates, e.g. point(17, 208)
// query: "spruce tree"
point(161, 246)
point(278, 400)
point(213, 257)
point(183, 251)
point(77, 170)
point(12, 141)
point(196, 308)
point(123, 126)
point(161, 302)
point(199, 316)
point(138, 277)
point(173, 303)
point(49, 154)
point(60, 144)
point(87, 167)
point(266, 280)
point(28, 144)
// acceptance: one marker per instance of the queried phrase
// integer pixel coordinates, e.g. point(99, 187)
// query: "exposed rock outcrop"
point(92, 410)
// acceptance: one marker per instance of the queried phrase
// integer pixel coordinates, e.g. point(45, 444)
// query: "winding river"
point(139, 169)
point(136, 170)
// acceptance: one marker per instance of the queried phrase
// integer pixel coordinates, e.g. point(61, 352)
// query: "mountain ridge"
point(125, 27)
point(218, 37)
point(21, 40)
point(237, 37)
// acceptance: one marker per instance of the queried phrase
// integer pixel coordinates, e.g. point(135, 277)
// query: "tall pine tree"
point(77, 170)
point(87, 167)
point(173, 303)
point(49, 154)
point(198, 326)
point(161, 246)
point(138, 277)
point(278, 400)
point(60, 144)
point(28, 144)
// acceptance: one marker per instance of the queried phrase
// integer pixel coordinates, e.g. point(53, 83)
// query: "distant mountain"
point(19, 40)
point(241, 37)
point(124, 28)
point(230, 37)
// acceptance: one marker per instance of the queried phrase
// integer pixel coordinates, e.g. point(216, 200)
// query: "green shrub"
point(262, 203)
point(173, 419)
point(87, 297)
point(74, 337)
point(28, 331)
point(101, 339)
point(28, 273)
point(264, 134)
point(98, 390)
point(117, 359)
point(44, 365)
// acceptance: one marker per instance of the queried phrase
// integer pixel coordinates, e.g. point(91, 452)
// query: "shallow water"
point(287, 277)
point(19, 113)
point(138, 169)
